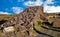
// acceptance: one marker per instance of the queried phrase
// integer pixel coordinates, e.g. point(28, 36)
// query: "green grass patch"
point(39, 23)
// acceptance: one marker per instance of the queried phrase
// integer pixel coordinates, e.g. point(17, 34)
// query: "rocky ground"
point(25, 25)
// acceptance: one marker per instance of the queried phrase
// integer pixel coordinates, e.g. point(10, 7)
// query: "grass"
point(58, 35)
point(0, 33)
point(6, 17)
point(38, 25)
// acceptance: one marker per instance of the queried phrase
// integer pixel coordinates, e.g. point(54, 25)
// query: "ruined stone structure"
point(24, 21)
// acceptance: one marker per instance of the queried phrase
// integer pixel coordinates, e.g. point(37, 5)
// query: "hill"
point(32, 22)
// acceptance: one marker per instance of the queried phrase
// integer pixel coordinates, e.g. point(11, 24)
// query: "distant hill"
point(6, 16)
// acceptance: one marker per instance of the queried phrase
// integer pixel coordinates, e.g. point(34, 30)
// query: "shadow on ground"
point(44, 34)
point(2, 21)
point(51, 29)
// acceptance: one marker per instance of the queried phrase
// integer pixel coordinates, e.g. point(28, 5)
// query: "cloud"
point(48, 2)
point(1, 12)
point(33, 3)
point(38, 2)
point(17, 10)
point(51, 9)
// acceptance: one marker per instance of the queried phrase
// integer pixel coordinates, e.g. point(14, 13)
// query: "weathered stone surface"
point(24, 22)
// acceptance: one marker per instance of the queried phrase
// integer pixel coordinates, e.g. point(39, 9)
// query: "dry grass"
point(6, 17)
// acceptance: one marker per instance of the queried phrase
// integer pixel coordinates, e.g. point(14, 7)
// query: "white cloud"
point(51, 9)
point(1, 12)
point(33, 3)
point(48, 2)
point(17, 10)
point(38, 2)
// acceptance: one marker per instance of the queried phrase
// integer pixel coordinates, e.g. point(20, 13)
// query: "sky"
point(17, 6)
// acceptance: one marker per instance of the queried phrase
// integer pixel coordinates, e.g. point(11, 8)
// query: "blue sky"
point(17, 6)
